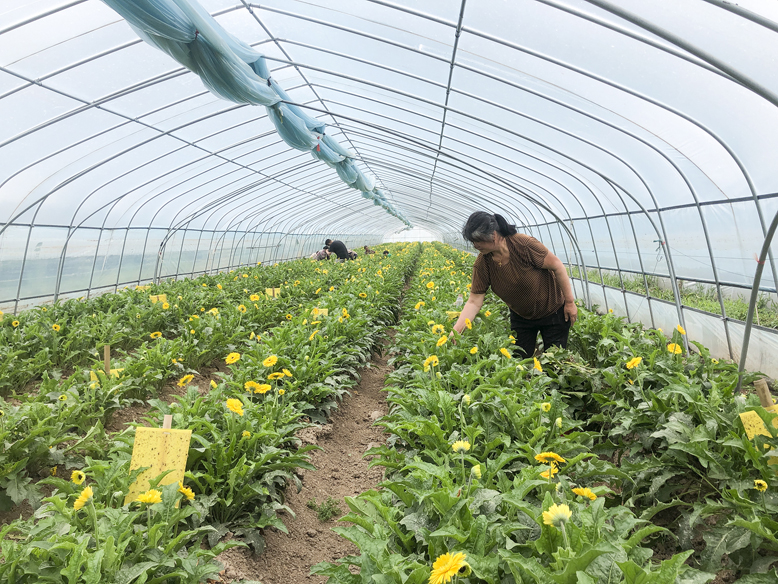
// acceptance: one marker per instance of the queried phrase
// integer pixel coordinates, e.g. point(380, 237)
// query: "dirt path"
point(340, 472)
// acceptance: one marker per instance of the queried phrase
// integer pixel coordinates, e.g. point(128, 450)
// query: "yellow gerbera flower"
point(232, 358)
point(83, 498)
point(150, 497)
point(242, 308)
point(760, 485)
point(186, 491)
point(438, 329)
point(474, 350)
point(466, 399)
point(313, 334)
point(488, 313)
point(288, 317)
point(235, 405)
point(270, 361)
point(287, 372)
point(15, 323)
point(251, 386)
point(680, 329)
point(557, 515)
point(254, 297)
point(262, 388)
point(281, 392)
point(219, 286)
point(185, 380)
point(461, 446)
point(585, 492)
point(213, 311)
point(675, 348)
point(549, 457)
point(505, 353)
point(362, 295)
point(430, 284)
point(634, 362)
point(155, 335)
point(468, 324)
point(56, 327)
point(165, 306)
point(537, 365)
point(477, 471)
point(246, 434)
point(77, 477)
point(545, 406)
point(441, 341)
point(419, 305)
point(213, 384)
point(431, 360)
point(549, 474)
point(276, 375)
point(447, 566)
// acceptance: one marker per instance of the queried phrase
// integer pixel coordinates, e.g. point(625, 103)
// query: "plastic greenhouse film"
point(292, 129)
point(326, 154)
point(347, 171)
point(163, 19)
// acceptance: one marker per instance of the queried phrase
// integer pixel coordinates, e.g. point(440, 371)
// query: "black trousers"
point(553, 328)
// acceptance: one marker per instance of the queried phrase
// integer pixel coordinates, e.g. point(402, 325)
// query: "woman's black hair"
point(480, 226)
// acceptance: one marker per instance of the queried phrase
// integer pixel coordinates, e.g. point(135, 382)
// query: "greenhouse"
point(158, 242)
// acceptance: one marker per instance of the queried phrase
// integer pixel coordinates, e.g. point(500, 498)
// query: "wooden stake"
point(167, 422)
point(107, 359)
point(765, 397)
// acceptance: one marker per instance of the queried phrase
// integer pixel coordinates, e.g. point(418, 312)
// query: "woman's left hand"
point(571, 312)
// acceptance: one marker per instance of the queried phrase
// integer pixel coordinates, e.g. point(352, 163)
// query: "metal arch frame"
point(737, 75)
point(275, 40)
point(508, 187)
point(597, 21)
point(550, 193)
point(137, 145)
point(457, 32)
point(700, 213)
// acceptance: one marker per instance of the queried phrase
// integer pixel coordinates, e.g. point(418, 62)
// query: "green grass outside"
point(693, 296)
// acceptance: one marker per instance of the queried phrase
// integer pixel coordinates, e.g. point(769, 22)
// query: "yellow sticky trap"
point(143, 288)
point(452, 314)
point(320, 311)
point(114, 373)
point(754, 425)
point(158, 298)
point(273, 292)
point(160, 450)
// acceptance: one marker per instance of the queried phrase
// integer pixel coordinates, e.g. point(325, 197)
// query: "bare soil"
point(341, 471)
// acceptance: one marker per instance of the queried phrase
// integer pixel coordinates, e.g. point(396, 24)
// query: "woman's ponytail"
point(503, 227)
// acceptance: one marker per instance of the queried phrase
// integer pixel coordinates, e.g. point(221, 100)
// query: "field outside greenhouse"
point(621, 459)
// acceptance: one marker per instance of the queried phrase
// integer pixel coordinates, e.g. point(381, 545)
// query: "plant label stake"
point(753, 424)
point(107, 359)
point(159, 449)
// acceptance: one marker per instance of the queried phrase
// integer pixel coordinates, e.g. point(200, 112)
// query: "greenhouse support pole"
point(754, 296)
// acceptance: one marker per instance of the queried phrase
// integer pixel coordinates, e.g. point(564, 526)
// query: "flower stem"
point(564, 536)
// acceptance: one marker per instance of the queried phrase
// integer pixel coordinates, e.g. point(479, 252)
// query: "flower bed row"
point(284, 369)
point(570, 467)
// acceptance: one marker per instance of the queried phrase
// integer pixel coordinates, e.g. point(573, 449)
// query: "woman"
point(523, 273)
